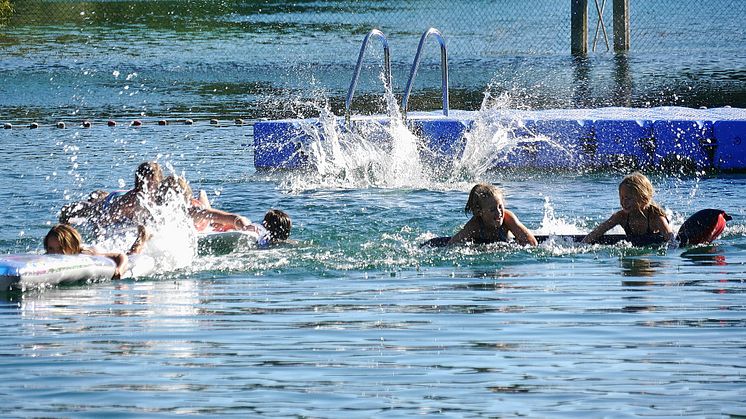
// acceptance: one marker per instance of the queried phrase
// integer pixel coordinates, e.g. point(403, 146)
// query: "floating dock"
point(664, 138)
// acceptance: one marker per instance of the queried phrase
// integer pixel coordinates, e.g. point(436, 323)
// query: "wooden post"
point(621, 25)
point(579, 27)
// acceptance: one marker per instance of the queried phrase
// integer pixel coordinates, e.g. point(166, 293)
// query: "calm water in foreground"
point(356, 320)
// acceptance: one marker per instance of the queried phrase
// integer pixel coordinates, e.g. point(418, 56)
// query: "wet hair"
point(148, 170)
point(68, 237)
point(278, 224)
point(177, 184)
point(641, 188)
point(479, 192)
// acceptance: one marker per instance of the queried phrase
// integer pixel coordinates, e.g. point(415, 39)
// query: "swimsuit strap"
point(502, 234)
point(628, 229)
point(648, 230)
point(110, 198)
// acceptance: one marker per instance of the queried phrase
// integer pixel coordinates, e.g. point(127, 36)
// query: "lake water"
point(355, 320)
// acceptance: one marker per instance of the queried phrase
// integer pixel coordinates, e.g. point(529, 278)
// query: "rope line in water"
point(133, 123)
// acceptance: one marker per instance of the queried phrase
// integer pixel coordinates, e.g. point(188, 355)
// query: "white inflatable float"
point(20, 271)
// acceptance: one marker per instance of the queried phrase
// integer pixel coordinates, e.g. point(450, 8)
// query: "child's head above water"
point(636, 187)
point(487, 203)
point(63, 239)
point(148, 175)
point(636, 193)
point(481, 194)
point(174, 184)
point(278, 224)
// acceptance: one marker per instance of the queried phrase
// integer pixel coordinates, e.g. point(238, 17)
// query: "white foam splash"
point(173, 238)
point(382, 152)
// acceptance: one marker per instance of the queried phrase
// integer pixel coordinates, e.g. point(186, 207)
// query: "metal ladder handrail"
point(416, 63)
point(386, 69)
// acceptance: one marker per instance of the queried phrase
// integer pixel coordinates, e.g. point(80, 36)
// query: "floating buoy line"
point(134, 123)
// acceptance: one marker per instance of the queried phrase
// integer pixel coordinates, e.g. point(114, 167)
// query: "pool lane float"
point(702, 227)
point(20, 271)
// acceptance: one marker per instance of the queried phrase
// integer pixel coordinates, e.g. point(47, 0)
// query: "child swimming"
point(275, 227)
point(644, 222)
point(278, 224)
point(490, 221)
point(63, 239)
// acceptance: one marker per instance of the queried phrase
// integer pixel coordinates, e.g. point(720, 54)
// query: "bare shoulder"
point(468, 232)
point(618, 217)
point(510, 217)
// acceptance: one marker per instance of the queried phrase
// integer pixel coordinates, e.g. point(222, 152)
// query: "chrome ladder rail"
point(386, 69)
point(416, 63)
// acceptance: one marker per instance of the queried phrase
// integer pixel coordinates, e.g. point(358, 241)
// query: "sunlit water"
point(356, 319)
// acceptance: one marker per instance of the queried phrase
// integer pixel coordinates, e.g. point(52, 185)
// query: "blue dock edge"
point(666, 139)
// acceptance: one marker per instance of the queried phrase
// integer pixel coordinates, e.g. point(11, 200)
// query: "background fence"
point(496, 27)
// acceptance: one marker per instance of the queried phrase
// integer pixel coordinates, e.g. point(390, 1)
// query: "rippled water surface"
point(356, 319)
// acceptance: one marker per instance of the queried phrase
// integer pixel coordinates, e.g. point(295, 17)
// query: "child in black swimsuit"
point(644, 222)
point(490, 221)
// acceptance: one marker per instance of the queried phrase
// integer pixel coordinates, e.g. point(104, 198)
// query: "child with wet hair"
point(63, 239)
point(644, 222)
point(205, 217)
point(490, 221)
point(278, 224)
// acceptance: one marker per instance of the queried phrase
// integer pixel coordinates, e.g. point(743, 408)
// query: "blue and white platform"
point(663, 138)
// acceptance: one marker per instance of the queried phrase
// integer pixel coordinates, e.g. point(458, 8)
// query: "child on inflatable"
point(490, 221)
point(63, 239)
point(275, 227)
point(644, 222)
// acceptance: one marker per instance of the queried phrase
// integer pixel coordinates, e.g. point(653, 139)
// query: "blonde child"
point(490, 221)
point(644, 222)
point(63, 239)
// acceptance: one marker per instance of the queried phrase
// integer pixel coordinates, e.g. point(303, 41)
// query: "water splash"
point(173, 238)
point(551, 224)
point(383, 152)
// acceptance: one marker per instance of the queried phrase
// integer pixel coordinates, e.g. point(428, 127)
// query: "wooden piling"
point(579, 27)
point(621, 25)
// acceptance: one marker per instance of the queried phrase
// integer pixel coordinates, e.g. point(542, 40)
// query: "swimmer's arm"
point(218, 217)
point(204, 201)
point(660, 223)
point(119, 258)
point(69, 211)
point(520, 232)
point(467, 233)
point(143, 235)
point(602, 228)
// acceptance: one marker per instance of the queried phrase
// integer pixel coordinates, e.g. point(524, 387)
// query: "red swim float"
point(702, 227)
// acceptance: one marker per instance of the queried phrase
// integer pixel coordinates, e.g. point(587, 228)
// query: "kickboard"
point(702, 227)
point(220, 243)
point(27, 270)
point(606, 239)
